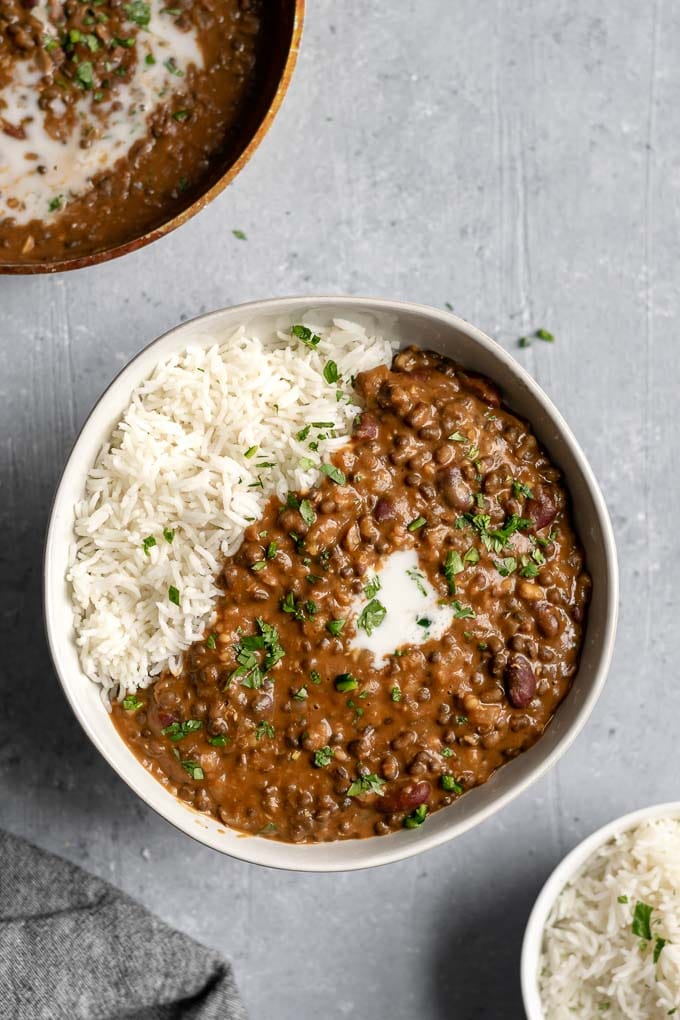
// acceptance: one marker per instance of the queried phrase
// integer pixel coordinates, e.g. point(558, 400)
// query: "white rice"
point(593, 965)
point(176, 462)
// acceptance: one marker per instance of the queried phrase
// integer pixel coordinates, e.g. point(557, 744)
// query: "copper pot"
point(285, 43)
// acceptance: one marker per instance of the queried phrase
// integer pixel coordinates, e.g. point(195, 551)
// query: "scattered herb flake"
point(641, 920)
point(264, 729)
point(334, 473)
point(416, 524)
point(416, 818)
point(148, 543)
point(449, 783)
point(366, 784)
point(323, 757)
point(131, 703)
point(395, 694)
point(346, 682)
point(173, 595)
point(239, 235)
point(307, 512)
point(330, 372)
point(372, 588)
point(371, 616)
point(305, 334)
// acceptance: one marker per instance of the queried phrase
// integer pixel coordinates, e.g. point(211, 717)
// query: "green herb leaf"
point(330, 372)
point(172, 67)
point(524, 341)
point(250, 452)
point(659, 943)
point(301, 694)
point(193, 768)
point(506, 566)
point(543, 334)
point(173, 595)
point(372, 587)
point(458, 437)
point(462, 612)
point(418, 577)
point(334, 473)
point(415, 525)
point(416, 818)
point(308, 338)
point(307, 512)
point(240, 235)
point(453, 564)
point(367, 784)
point(346, 682)
point(323, 757)
point(218, 741)
point(315, 677)
point(641, 920)
point(181, 115)
point(260, 565)
point(131, 703)
point(335, 626)
point(520, 489)
point(471, 556)
point(85, 74)
point(371, 616)
point(264, 729)
point(178, 731)
point(148, 543)
point(446, 752)
point(168, 535)
point(448, 782)
point(622, 899)
point(395, 694)
point(139, 12)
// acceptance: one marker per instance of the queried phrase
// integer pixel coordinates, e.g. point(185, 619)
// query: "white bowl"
point(407, 323)
point(561, 876)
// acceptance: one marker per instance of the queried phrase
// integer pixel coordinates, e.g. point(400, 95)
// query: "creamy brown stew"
point(280, 725)
point(113, 114)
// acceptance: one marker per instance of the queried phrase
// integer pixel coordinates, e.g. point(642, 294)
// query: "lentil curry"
point(280, 725)
point(114, 114)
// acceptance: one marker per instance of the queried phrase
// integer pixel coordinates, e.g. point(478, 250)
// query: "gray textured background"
point(521, 161)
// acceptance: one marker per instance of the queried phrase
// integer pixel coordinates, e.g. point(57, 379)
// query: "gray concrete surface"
point(522, 162)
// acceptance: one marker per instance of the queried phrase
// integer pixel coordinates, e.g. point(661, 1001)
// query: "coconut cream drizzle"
point(40, 174)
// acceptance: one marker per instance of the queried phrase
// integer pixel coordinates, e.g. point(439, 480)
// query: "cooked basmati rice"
point(592, 963)
point(184, 473)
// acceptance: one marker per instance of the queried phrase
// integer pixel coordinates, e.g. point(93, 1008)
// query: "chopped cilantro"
point(307, 512)
point(366, 784)
point(173, 595)
point(131, 703)
point(372, 588)
point(449, 783)
point(334, 473)
point(416, 818)
point(305, 334)
point(323, 757)
point(346, 682)
point(371, 616)
point(335, 626)
point(416, 524)
point(148, 543)
point(330, 372)
point(264, 729)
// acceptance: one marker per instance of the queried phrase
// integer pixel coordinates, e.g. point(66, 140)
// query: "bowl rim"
point(204, 199)
point(560, 876)
point(610, 580)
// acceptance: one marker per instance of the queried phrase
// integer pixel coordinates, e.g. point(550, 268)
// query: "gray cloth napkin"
point(73, 947)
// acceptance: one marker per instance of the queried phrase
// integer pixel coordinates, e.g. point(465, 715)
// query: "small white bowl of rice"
point(161, 484)
point(603, 938)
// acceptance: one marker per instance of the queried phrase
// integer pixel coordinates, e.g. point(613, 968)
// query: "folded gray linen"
point(73, 947)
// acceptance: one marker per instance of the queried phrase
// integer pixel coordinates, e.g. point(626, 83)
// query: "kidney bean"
point(383, 510)
point(520, 682)
point(405, 797)
point(480, 387)
point(366, 428)
point(541, 509)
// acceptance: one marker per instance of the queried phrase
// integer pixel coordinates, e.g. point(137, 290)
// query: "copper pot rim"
point(203, 200)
